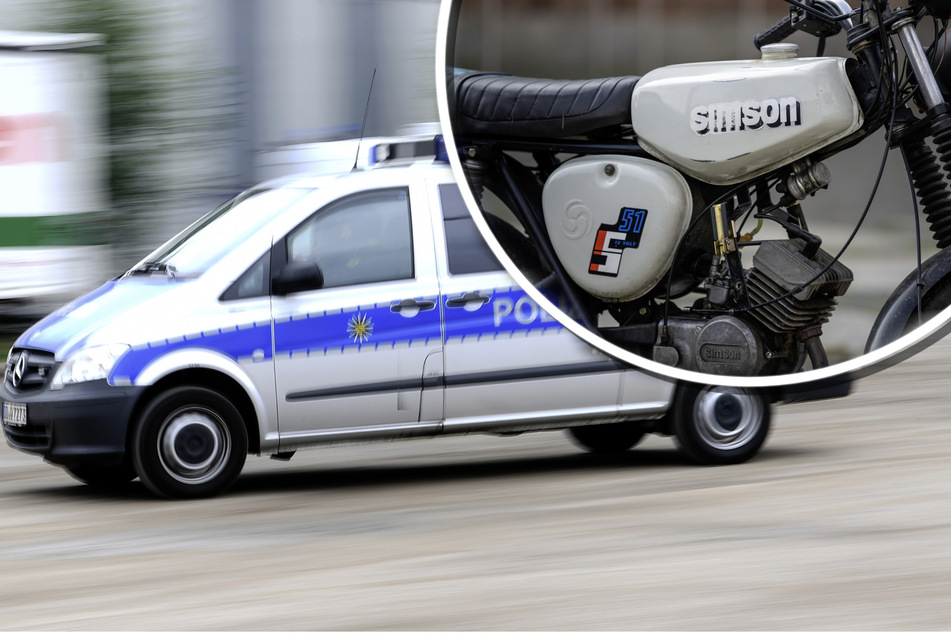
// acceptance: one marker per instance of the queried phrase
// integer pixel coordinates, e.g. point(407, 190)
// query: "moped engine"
point(615, 222)
point(791, 295)
point(789, 291)
point(724, 345)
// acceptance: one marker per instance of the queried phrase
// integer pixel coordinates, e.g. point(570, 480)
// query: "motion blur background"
point(598, 38)
point(199, 99)
point(202, 98)
point(843, 524)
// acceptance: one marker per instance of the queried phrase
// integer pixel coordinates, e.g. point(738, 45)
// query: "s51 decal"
point(611, 241)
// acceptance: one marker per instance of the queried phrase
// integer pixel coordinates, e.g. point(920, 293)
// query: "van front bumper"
point(85, 423)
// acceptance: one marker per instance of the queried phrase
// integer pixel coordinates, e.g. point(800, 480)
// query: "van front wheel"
point(102, 477)
point(720, 425)
point(189, 442)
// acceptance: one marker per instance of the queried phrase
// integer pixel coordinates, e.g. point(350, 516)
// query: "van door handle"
point(469, 301)
point(411, 307)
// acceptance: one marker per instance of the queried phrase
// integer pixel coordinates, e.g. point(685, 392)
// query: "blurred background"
point(111, 143)
point(577, 39)
point(607, 37)
point(120, 142)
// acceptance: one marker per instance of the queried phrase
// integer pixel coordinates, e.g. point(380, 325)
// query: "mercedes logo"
point(19, 370)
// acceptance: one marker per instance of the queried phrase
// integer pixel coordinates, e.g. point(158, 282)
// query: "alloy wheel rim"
point(194, 445)
point(727, 418)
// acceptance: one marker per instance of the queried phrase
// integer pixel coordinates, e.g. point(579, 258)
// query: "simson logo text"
point(740, 116)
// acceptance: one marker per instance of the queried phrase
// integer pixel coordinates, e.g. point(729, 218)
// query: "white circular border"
point(863, 365)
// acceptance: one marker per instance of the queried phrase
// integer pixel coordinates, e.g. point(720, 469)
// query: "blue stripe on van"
point(237, 343)
point(364, 327)
point(509, 313)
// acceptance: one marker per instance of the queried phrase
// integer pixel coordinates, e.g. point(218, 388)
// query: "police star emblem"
point(359, 328)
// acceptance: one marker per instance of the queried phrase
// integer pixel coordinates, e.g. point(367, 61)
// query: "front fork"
point(928, 169)
point(915, 53)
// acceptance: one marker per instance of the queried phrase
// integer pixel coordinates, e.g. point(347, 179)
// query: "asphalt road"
point(842, 522)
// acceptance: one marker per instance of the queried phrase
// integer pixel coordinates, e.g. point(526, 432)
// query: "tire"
point(606, 439)
point(720, 425)
point(103, 477)
point(934, 301)
point(189, 442)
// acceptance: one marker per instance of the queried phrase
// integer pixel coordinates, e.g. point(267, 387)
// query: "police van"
point(327, 309)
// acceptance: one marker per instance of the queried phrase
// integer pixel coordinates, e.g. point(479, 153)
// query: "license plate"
point(14, 414)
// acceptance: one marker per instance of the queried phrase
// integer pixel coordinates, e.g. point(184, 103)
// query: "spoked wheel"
point(720, 425)
point(189, 442)
point(608, 438)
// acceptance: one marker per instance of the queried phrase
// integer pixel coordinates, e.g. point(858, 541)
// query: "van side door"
point(350, 352)
point(507, 362)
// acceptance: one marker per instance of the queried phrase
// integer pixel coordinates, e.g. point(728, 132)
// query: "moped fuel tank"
point(725, 122)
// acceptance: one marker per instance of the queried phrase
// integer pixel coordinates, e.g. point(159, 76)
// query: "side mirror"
point(297, 276)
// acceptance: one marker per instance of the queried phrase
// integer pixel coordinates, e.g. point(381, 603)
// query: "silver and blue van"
point(316, 310)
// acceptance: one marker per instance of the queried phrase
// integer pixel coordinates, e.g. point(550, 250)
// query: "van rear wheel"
point(189, 442)
point(720, 425)
point(606, 438)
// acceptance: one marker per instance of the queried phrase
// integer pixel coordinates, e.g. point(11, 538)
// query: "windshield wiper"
point(154, 267)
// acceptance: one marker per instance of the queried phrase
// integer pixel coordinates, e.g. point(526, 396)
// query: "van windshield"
point(207, 240)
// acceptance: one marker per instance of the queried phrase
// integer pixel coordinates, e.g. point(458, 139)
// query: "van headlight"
point(89, 364)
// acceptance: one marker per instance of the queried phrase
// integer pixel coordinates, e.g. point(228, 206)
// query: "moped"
point(668, 211)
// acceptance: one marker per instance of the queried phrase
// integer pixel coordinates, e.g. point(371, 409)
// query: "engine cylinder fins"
point(788, 314)
point(783, 298)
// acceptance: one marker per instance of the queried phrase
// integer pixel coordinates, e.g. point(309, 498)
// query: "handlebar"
point(816, 17)
point(776, 33)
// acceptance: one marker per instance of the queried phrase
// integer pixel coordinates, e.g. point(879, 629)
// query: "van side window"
point(360, 239)
point(252, 283)
point(468, 251)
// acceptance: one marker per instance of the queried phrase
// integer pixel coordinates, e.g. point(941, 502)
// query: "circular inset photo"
point(743, 192)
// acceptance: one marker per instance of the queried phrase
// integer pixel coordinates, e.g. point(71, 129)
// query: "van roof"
point(322, 179)
point(41, 41)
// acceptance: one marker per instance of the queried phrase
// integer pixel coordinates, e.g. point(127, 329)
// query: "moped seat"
point(540, 108)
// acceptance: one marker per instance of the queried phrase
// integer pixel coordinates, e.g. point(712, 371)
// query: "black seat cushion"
point(540, 108)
